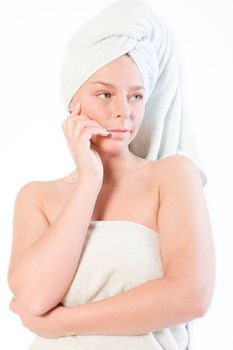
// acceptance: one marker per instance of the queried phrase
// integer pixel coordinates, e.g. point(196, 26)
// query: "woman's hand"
point(50, 325)
point(78, 130)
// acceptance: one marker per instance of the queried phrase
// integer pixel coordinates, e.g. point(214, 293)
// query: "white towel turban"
point(132, 27)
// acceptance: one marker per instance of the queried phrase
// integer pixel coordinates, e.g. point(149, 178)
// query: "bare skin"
point(54, 217)
point(109, 201)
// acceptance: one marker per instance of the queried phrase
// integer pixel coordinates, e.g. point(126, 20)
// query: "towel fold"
point(132, 27)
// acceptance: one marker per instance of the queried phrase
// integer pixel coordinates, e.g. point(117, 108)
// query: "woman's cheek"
point(90, 112)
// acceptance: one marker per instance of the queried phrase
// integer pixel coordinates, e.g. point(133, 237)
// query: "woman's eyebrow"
point(137, 87)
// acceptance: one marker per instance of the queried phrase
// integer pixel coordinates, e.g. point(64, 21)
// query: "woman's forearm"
point(47, 267)
point(154, 305)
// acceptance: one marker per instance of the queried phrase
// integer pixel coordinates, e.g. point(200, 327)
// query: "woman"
point(119, 253)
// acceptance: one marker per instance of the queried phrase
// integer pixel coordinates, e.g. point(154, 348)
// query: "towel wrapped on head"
point(131, 27)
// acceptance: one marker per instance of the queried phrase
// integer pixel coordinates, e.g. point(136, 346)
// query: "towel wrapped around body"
point(117, 256)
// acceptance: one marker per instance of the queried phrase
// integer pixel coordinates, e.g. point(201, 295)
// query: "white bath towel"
point(131, 26)
point(117, 256)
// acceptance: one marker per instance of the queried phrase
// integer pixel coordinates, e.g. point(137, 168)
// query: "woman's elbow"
point(32, 299)
point(202, 301)
point(31, 304)
point(200, 309)
point(35, 307)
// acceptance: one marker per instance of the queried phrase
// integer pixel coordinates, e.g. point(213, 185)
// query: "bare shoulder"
point(36, 189)
point(42, 199)
point(176, 160)
point(177, 170)
point(39, 193)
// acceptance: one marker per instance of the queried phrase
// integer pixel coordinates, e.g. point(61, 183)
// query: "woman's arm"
point(44, 258)
point(185, 291)
point(187, 250)
point(135, 311)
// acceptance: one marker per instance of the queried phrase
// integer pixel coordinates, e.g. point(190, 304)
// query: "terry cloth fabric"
point(117, 255)
point(132, 27)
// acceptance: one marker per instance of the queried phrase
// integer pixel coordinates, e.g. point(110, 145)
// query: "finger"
point(76, 110)
point(89, 132)
point(13, 306)
point(71, 124)
point(76, 118)
point(78, 124)
point(68, 125)
point(82, 119)
point(64, 124)
point(69, 129)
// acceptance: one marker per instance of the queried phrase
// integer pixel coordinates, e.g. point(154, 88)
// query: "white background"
point(33, 37)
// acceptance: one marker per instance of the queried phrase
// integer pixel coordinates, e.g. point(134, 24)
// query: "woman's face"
point(114, 97)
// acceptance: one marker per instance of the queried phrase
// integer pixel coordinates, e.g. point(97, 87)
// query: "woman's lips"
point(118, 133)
point(119, 130)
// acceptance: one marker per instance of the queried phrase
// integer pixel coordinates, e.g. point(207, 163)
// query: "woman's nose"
point(122, 108)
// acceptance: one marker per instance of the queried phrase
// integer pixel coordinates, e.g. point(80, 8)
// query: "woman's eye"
point(104, 94)
point(139, 97)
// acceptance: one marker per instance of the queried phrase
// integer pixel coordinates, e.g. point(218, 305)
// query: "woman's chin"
point(109, 147)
